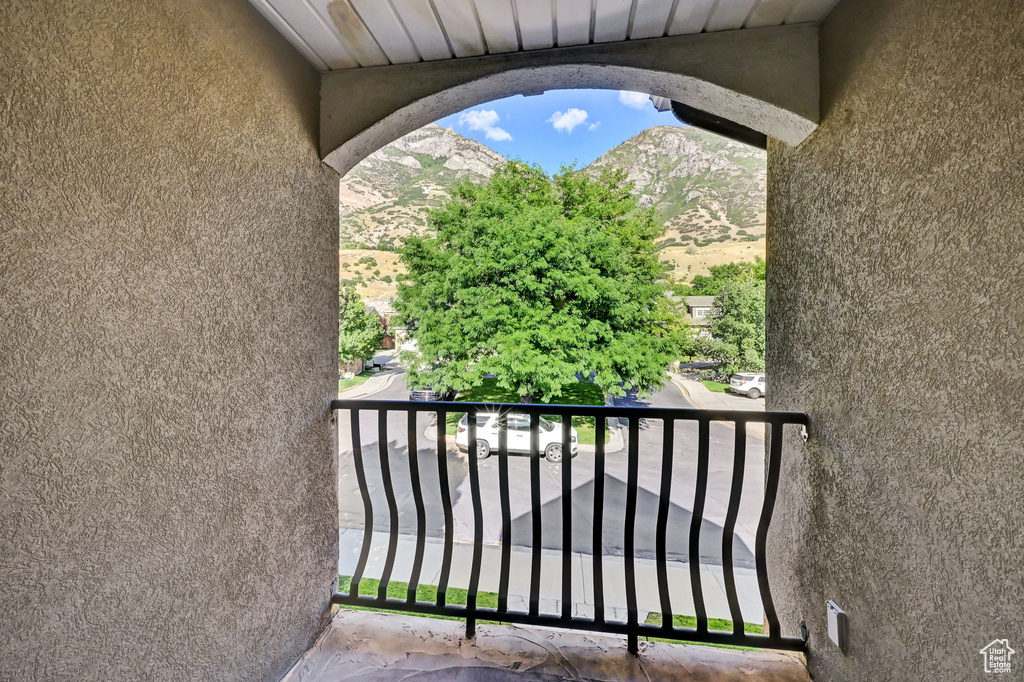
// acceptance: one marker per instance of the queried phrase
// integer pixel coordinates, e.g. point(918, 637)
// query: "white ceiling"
point(348, 34)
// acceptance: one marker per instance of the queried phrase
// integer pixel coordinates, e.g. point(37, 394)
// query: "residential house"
point(395, 335)
point(698, 311)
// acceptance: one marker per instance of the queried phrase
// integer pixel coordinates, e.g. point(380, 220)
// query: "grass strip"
point(457, 596)
point(713, 624)
point(716, 386)
point(345, 384)
point(426, 593)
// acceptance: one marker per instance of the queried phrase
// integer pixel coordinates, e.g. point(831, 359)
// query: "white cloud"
point(634, 100)
point(485, 120)
point(564, 123)
point(593, 126)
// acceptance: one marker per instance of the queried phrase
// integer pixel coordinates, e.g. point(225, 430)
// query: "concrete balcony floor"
point(363, 645)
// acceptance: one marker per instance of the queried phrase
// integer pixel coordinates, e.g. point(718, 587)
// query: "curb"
point(686, 392)
point(753, 428)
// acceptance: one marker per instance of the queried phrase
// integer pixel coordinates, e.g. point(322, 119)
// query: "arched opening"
point(764, 79)
point(431, 503)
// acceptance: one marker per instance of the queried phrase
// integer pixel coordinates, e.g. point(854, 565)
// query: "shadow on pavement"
point(677, 537)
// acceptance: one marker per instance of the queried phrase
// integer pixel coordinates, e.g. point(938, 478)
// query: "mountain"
point(385, 196)
point(705, 188)
point(709, 192)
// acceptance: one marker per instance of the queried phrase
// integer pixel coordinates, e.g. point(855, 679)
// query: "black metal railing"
point(636, 419)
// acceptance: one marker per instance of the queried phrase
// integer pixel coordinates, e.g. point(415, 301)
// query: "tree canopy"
point(537, 280)
point(359, 330)
point(711, 284)
point(738, 326)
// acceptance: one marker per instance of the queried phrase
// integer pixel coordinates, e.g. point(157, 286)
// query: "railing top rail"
point(577, 410)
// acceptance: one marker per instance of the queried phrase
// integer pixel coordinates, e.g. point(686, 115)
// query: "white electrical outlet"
point(837, 625)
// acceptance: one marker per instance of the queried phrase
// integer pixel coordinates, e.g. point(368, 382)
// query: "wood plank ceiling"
point(349, 34)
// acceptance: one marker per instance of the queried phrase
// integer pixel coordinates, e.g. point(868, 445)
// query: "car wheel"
point(753, 393)
point(553, 453)
point(483, 449)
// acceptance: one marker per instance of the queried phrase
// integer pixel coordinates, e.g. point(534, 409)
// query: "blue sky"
point(559, 126)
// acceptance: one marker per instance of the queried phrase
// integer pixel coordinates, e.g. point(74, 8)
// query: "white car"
point(750, 385)
point(518, 435)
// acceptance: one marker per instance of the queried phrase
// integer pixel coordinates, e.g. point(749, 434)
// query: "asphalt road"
point(396, 459)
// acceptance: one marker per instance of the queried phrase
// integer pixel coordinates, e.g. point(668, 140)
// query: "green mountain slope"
point(708, 190)
point(385, 197)
point(704, 187)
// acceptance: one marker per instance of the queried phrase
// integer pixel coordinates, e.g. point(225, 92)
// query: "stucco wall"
point(168, 313)
point(896, 320)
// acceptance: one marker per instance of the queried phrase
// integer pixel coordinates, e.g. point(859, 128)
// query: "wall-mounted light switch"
point(837, 625)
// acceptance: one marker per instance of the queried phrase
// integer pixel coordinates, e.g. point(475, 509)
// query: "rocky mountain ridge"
point(705, 187)
point(384, 198)
point(708, 190)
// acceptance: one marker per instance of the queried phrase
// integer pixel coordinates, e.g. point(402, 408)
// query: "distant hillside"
point(385, 197)
point(709, 191)
point(704, 187)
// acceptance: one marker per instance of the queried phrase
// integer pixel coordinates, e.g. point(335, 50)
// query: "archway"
point(765, 79)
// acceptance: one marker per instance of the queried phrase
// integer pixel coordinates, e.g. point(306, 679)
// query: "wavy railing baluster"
point(696, 521)
point(478, 526)
point(597, 548)
point(389, 496)
point(535, 510)
point(566, 517)
point(728, 531)
point(771, 489)
point(421, 513)
point(632, 629)
point(446, 508)
point(506, 515)
point(661, 528)
point(629, 529)
point(364, 492)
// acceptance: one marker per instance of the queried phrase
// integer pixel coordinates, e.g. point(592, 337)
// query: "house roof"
point(382, 307)
point(700, 301)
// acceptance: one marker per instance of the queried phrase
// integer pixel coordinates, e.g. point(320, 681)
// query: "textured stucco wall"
point(168, 313)
point(896, 320)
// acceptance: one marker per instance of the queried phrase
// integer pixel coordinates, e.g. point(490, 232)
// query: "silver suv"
point(750, 385)
point(518, 435)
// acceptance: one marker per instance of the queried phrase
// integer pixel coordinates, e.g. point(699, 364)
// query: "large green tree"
point(535, 280)
point(738, 326)
point(359, 330)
